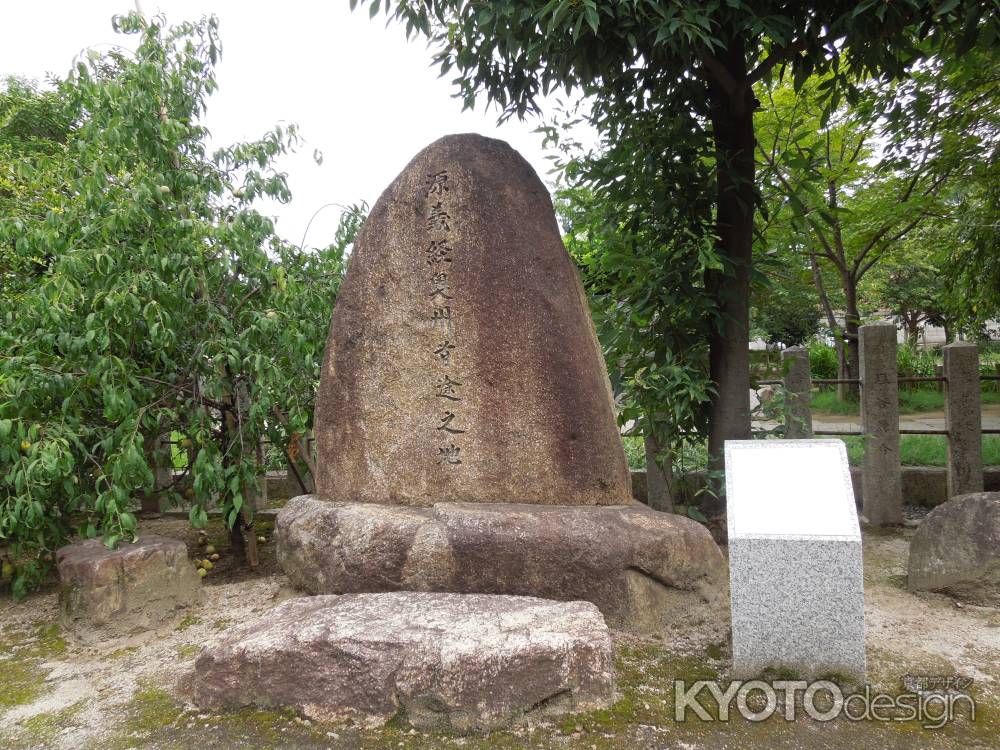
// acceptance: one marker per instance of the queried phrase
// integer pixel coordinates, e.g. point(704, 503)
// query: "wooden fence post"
point(881, 484)
point(963, 418)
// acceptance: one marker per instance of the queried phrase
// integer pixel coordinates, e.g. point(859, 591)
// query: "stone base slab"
point(646, 571)
point(445, 661)
point(114, 593)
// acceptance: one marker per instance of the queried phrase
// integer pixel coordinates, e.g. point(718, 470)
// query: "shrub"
point(822, 360)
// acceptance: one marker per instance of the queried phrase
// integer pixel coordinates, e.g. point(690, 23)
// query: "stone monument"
point(465, 425)
point(795, 558)
point(462, 365)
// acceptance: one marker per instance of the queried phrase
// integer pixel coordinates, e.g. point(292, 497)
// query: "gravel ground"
point(125, 694)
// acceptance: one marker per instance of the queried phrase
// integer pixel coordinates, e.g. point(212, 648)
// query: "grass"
point(924, 450)
point(915, 450)
point(910, 401)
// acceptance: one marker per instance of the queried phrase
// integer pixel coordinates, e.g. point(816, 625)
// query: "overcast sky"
point(360, 93)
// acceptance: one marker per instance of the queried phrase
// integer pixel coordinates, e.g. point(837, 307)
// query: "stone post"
point(963, 418)
point(658, 477)
point(798, 392)
point(161, 456)
point(881, 485)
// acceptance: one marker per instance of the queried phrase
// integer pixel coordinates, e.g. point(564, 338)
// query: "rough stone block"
point(112, 593)
point(956, 549)
point(462, 363)
point(448, 661)
point(795, 558)
point(646, 571)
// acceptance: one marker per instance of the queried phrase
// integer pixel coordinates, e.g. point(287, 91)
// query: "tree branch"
point(720, 74)
point(784, 55)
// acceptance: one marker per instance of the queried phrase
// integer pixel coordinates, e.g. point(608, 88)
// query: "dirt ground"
point(57, 694)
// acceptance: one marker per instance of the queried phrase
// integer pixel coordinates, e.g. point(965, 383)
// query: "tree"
point(963, 95)
point(695, 62)
point(34, 128)
point(168, 304)
point(786, 311)
point(972, 270)
point(912, 288)
point(852, 207)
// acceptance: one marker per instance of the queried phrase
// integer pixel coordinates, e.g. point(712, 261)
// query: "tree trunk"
point(852, 321)
point(831, 320)
point(241, 535)
point(912, 325)
point(729, 349)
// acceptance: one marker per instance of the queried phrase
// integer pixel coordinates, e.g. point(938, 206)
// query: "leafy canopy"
point(167, 303)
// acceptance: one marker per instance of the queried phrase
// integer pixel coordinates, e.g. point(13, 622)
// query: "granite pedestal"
point(795, 559)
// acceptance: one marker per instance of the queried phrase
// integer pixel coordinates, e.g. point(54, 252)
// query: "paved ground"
point(929, 420)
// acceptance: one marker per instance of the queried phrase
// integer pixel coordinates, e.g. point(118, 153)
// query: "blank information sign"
point(789, 488)
point(796, 578)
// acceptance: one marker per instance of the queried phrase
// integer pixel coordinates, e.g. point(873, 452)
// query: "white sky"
point(361, 94)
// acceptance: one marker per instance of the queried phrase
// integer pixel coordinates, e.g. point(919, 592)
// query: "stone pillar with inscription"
point(881, 483)
point(465, 424)
point(798, 393)
point(963, 418)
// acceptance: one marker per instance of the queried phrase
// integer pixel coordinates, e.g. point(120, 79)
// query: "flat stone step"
point(445, 661)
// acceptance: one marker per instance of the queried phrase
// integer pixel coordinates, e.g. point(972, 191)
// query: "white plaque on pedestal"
point(794, 558)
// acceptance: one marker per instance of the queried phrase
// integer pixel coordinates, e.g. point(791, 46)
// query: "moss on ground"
point(188, 651)
point(187, 621)
point(21, 681)
point(22, 676)
point(121, 653)
point(40, 730)
point(641, 717)
point(155, 718)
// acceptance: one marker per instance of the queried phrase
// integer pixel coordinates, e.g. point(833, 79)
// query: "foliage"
point(924, 450)
point(167, 304)
point(785, 311)
point(912, 361)
point(822, 361)
point(911, 287)
point(34, 127)
point(945, 118)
